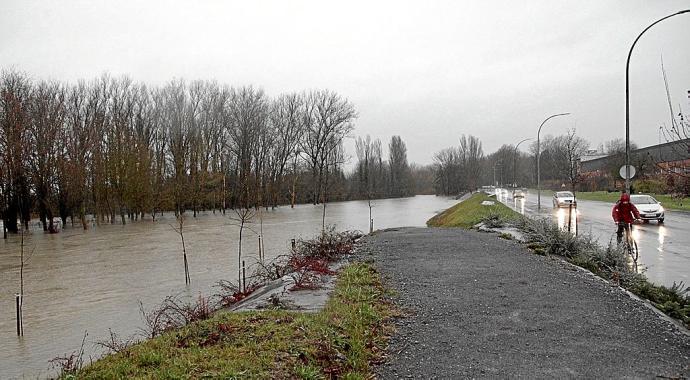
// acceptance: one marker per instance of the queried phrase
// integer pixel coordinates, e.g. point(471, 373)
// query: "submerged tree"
point(328, 119)
point(120, 150)
point(180, 231)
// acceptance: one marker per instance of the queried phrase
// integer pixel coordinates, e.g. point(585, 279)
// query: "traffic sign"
point(622, 172)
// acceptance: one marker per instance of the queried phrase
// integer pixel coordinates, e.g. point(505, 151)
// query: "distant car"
point(517, 193)
point(563, 199)
point(649, 207)
point(489, 190)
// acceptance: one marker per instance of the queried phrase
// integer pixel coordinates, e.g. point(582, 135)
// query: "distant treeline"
point(121, 150)
point(465, 167)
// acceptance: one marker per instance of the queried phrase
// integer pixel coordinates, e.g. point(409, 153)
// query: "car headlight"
point(661, 208)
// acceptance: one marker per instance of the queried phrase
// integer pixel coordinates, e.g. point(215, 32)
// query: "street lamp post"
point(539, 154)
point(496, 163)
point(627, 98)
point(515, 161)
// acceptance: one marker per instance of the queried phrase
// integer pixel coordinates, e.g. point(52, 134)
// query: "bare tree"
point(180, 231)
point(15, 144)
point(327, 119)
point(332, 166)
point(677, 134)
point(364, 151)
point(459, 168)
point(47, 111)
point(119, 150)
point(286, 120)
point(177, 122)
point(572, 148)
point(243, 218)
point(471, 156)
point(399, 168)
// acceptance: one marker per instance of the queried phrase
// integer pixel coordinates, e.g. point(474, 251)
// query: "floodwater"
point(91, 281)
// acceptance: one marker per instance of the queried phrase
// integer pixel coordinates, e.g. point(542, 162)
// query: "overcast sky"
point(426, 70)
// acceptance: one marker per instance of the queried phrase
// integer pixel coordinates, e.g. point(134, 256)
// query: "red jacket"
point(624, 212)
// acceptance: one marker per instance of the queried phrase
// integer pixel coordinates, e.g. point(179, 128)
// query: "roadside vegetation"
point(343, 340)
point(469, 212)
point(611, 263)
point(544, 237)
point(205, 340)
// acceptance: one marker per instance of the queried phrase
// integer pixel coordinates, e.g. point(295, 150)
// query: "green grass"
point(342, 340)
point(469, 212)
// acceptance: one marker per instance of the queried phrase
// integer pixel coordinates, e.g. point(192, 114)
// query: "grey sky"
point(426, 70)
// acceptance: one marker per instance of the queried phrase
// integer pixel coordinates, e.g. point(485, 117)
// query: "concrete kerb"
point(307, 300)
point(643, 301)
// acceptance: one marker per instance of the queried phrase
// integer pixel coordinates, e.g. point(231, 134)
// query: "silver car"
point(563, 199)
point(649, 207)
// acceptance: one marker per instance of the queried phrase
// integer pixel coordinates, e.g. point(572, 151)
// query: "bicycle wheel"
point(635, 251)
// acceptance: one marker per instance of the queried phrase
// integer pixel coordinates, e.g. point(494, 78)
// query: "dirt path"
point(481, 306)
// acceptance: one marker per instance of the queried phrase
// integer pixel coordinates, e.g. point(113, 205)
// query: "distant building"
point(592, 154)
point(670, 157)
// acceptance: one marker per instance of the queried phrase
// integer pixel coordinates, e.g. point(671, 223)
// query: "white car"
point(563, 199)
point(649, 208)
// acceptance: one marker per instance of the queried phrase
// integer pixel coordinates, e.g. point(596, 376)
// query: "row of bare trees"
point(459, 168)
point(465, 167)
point(375, 177)
point(118, 150)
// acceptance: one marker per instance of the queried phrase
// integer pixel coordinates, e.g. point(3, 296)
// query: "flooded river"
point(78, 281)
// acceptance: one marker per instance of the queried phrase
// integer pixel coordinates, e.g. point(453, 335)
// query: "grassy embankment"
point(469, 212)
point(545, 237)
point(669, 202)
point(342, 340)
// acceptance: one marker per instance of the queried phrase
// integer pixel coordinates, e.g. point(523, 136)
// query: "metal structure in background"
point(516, 160)
point(627, 97)
point(539, 154)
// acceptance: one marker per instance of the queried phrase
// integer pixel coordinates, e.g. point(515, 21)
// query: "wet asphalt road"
point(478, 306)
point(664, 248)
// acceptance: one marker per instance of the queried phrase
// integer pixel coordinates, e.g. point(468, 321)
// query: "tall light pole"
point(516, 160)
point(627, 98)
point(499, 162)
point(539, 154)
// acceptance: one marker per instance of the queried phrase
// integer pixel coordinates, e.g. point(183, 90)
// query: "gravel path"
point(481, 306)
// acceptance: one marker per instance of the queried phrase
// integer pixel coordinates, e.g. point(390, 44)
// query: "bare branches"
point(120, 150)
point(180, 231)
point(69, 365)
point(114, 344)
point(458, 168)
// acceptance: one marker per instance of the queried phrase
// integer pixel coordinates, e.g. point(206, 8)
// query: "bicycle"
point(629, 244)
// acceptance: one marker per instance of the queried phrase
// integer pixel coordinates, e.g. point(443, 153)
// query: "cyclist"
point(624, 214)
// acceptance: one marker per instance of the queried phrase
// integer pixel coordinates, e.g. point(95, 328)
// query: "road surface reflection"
point(663, 248)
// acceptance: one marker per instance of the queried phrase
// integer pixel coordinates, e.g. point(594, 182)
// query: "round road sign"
point(622, 172)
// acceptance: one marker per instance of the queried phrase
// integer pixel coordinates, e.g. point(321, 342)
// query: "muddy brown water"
point(93, 280)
